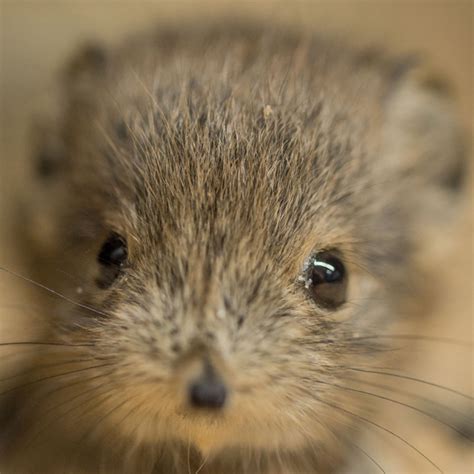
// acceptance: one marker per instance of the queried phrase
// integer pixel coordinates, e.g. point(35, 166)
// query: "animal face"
point(242, 214)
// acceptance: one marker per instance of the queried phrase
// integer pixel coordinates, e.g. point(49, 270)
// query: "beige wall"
point(38, 35)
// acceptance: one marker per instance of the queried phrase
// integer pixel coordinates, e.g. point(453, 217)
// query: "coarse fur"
point(225, 156)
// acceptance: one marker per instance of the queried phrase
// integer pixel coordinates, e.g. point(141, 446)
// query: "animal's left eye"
point(325, 279)
point(112, 258)
point(113, 251)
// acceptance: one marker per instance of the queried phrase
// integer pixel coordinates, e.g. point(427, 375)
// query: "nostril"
point(208, 393)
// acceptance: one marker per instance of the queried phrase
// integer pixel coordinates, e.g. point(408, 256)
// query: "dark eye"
point(112, 257)
point(326, 280)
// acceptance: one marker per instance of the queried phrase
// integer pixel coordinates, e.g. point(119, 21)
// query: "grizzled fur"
point(225, 157)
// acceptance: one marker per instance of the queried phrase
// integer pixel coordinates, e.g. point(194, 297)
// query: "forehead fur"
point(243, 136)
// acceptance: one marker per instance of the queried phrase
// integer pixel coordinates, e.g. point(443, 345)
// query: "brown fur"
point(226, 156)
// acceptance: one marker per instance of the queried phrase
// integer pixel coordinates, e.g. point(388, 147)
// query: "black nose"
point(208, 392)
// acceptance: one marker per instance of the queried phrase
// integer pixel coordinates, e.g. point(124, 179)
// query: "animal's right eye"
point(112, 257)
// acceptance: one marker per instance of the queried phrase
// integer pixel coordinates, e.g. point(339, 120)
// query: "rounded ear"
point(49, 151)
point(50, 164)
point(425, 137)
point(81, 75)
point(426, 150)
point(426, 146)
point(88, 63)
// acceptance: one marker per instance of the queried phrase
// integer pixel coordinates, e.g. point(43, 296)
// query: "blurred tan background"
point(37, 36)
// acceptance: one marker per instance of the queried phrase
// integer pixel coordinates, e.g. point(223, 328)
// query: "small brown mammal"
point(239, 212)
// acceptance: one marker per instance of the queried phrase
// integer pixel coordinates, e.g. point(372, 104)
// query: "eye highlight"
point(325, 279)
point(112, 257)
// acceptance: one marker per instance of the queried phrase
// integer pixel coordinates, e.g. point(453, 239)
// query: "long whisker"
point(127, 415)
point(366, 454)
point(398, 391)
point(69, 385)
point(414, 379)
point(53, 292)
point(106, 415)
point(444, 340)
point(352, 444)
point(188, 455)
point(397, 402)
point(373, 423)
point(199, 469)
point(49, 377)
point(66, 402)
point(34, 348)
point(42, 343)
point(46, 366)
point(110, 392)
